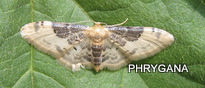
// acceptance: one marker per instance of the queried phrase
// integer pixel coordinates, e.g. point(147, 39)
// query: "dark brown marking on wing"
point(104, 48)
point(132, 52)
point(117, 39)
point(48, 43)
point(87, 58)
point(133, 33)
point(73, 32)
point(42, 23)
point(36, 26)
point(105, 58)
point(112, 36)
point(89, 55)
point(153, 29)
point(75, 48)
point(120, 41)
point(158, 34)
point(81, 35)
point(145, 46)
point(89, 47)
point(118, 30)
point(129, 33)
point(72, 38)
point(61, 30)
point(59, 49)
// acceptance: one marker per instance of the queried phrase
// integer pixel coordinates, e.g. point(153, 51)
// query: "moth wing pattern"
point(112, 58)
point(77, 45)
point(58, 40)
point(139, 42)
point(77, 55)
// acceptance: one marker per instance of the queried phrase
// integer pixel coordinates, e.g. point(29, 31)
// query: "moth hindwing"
point(98, 46)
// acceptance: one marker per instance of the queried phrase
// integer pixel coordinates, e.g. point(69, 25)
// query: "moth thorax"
point(97, 39)
point(97, 33)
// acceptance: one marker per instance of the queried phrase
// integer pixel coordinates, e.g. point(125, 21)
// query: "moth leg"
point(76, 67)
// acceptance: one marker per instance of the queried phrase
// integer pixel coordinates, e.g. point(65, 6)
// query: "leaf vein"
point(86, 13)
point(50, 78)
point(21, 78)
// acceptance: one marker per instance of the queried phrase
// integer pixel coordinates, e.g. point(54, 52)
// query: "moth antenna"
point(116, 24)
point(100, 23)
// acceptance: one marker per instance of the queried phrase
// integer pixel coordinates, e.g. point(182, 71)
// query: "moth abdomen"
point(96, 49)
point(97, 61)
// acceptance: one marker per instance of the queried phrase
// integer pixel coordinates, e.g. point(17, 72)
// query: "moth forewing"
point(140, 42)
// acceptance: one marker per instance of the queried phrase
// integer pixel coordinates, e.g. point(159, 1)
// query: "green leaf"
point(22, 66)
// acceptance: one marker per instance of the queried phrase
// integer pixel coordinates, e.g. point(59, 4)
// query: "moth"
point(99, 46)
